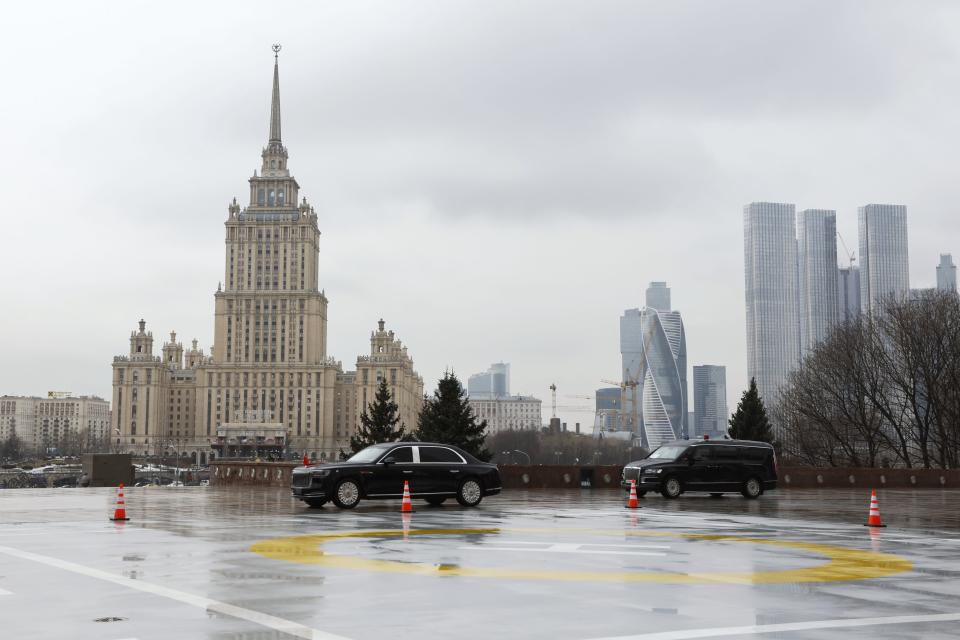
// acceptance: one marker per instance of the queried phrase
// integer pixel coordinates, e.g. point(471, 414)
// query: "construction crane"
point(579, 397)
point(633, 419)
point(553, 393)
point(850, 254)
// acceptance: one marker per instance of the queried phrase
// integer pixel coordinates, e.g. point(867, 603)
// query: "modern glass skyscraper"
point(817, 275)
point(849, 290)
point(663, 374)
point(654, 351)
point(709, 400)
point(946, 274)
point(658, 296)
point(770, 273)
point(492, 383)
point(884, 267)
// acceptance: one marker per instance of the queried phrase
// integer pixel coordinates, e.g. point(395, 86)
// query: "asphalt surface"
point(228, 563)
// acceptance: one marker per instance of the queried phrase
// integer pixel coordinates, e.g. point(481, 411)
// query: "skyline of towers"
point(884, 263)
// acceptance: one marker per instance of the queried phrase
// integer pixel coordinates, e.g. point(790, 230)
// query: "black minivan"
point(709, 466)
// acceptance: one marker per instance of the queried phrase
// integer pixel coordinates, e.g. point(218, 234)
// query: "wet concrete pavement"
point(219, 563)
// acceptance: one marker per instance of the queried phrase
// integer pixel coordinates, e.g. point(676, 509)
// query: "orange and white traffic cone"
point(633, 503)
point(405, 505)
point(120, 512)
point(405, 519)
point(873, 520)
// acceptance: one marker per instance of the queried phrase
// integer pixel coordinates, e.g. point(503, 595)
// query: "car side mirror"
point(389, 460)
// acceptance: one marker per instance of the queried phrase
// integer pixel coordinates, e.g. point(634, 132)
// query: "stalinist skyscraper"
point(268, 386)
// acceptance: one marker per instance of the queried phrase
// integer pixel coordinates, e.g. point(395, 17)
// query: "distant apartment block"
point(492, 383)
point(508, 413)
point(56, 421)
point(884, 266)
point(709, 401)
point(946, 274)
point(817, 275)
point(771, 292)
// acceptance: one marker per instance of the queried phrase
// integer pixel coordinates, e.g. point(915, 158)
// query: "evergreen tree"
point(447, 417)
point(750, 421)
point(378, 423)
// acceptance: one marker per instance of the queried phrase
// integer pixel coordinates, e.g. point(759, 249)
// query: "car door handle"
point(408, 471)
point(454, 470)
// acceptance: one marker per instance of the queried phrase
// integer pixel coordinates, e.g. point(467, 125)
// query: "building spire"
point(275, 104)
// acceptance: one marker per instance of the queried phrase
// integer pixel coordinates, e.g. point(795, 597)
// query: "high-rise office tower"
point(849, 291)
point(654, 350)
point(817, 275)
point(709, 400)
point(884, 267)
point(663, 370)
point(492, 383)
point(658, 296)
point(770, 273)
point(946, 274)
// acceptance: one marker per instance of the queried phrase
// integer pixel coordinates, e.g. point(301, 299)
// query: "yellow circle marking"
point(843, 563)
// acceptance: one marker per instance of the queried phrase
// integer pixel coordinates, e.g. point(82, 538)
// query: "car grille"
point(301, 479)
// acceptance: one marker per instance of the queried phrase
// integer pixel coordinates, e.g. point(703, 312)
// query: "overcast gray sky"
point(498, 180)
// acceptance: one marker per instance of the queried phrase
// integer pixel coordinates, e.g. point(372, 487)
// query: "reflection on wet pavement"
point(220, 563)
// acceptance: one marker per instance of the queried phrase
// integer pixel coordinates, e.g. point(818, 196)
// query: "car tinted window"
point(702, 452)
point(369, 454)
point(438, 454)
point(402, 454)
point(667, 453)
point(724, 452)
point(754, 454)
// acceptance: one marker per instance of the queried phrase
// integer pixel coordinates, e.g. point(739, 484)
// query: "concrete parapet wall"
point(836, 478)
point(277, 474)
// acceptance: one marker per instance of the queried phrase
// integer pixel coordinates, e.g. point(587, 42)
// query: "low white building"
point(42, 423)
point(508, 413)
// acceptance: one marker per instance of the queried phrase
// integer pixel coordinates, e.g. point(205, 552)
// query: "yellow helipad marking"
point(843, 563)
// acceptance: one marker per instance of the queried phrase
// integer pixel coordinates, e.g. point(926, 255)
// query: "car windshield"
point(667, 453)
point(369, 454)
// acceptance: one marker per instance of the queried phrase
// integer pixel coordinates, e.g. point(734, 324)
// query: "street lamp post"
point(524, 453)
point(558, 454)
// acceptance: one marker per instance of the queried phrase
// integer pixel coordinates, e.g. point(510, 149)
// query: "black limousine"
point(435, 472)
point(711, 466)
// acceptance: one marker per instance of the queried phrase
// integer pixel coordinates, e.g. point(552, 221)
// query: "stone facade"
point(59, 421)
point(508, 413)
point(268, 371)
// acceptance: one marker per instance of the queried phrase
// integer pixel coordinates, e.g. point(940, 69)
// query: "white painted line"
point(842, 623)
point(581, 544)
point(565, 548)
point(4, 592)
point(277, 624)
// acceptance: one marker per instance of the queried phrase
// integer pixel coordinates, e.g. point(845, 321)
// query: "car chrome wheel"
point(752, 488)
point(470, 493)
point(671, 488)
point(347, 494)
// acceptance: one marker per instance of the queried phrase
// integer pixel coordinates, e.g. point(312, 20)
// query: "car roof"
point(699, 442)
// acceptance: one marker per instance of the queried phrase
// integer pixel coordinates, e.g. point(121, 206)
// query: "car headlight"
point(321, 474)
point(653, 471)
